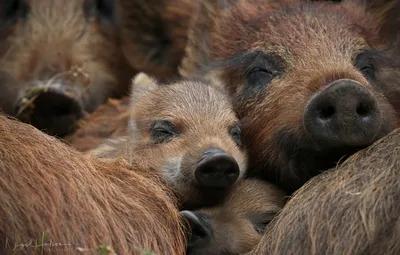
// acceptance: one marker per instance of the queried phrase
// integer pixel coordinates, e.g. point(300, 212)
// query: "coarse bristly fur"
point(170, 128)
point(353, 209)
point(274, 57)
point(78, 204)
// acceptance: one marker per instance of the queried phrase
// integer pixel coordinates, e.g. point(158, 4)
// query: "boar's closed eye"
point(11, 11)
point(365, 62)
point(261, 71)
point(236, 132)
point(162, 131)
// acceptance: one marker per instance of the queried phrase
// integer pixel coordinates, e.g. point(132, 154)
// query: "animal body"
point(57, 201)
point(352, 209)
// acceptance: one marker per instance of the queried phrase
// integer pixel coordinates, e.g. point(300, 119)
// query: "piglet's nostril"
point(217, 169)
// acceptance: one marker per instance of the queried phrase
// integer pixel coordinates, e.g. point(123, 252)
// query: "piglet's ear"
point(199, 230)
point(142, 85)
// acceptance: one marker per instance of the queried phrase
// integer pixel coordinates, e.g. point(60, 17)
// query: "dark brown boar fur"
point(108, 121)
point(59, 59)
point(353, 209)
point(274, 58)
point(155, 34)
point(172, 128)
point(386, 13)
point(79, 204)
point(237, 224)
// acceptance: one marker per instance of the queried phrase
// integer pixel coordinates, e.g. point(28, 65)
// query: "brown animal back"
point(79, 203)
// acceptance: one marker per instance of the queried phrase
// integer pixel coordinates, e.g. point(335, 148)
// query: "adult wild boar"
point(311, 81)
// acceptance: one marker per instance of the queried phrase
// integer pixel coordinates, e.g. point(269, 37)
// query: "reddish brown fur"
point(354, 209)
point(314, 44)
point(203, 117)
point(155, 34)
point(45, 186)
point(237, 224)
point(61, 42)
point(110, 120)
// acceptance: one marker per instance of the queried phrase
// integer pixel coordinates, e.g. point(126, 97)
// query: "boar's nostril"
point(50, 110)
point(364, 109)
point(326, 112)
point(216, 169)
point(344, 114)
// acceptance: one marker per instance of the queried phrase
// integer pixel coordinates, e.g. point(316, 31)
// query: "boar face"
point(59, 59)
point(305, 78)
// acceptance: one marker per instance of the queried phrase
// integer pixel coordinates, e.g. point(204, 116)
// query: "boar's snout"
point(343, 114)
point(53, 108)
point(216, 169)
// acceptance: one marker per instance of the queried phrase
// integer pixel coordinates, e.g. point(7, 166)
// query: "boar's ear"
point(142, 84)
point(386, 15)
point(200, 29)
point(199, 231)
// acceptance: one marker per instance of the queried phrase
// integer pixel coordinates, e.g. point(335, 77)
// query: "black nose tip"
point(344, 114)
point(216, 169)
point(199, 231)
point(51, 110)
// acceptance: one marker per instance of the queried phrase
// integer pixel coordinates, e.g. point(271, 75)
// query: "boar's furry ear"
point(142, 84)
point(201, 26)
point(386, 14)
